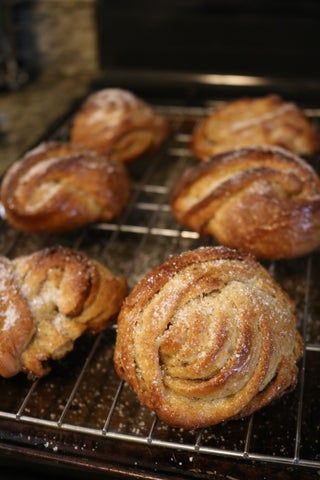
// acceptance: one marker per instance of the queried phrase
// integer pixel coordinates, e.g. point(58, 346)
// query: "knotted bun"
point(264, 200)
point(117, 123)
point(49, 299)
point(259, 121)
point(16, 321)
point(207, 336)
point(59, 187)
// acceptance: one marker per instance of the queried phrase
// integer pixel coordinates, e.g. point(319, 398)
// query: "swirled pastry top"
point(264, 200)
point(117, 123)
point(207, 336)
point(259, 121)
point(47, 300)
point(58, 187)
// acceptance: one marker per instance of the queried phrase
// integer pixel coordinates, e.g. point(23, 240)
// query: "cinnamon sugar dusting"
point(56, 295)
point(112, 97)
point(209, 342)
point(10, 316)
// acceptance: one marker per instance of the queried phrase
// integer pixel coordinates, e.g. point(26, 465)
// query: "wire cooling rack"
point(83, 395)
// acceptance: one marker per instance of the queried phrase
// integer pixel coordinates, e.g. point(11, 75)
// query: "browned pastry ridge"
point(260, 121)
point(117, 123)
point(49, 299)
point(263, 200)
point(207, 336)
point(59, 187)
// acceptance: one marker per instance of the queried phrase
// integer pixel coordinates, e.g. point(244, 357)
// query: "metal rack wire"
point(152, 221)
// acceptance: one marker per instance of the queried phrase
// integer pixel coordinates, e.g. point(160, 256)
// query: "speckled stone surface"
point(64, 35)
point(27, 114)
point(64, 51)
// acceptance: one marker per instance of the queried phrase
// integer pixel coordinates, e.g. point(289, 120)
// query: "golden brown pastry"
point(207, 336)
point(262, 200)
point(49, 299)
point(16, 321)
point(259, 121)
point(117, 123)
point(59, 187)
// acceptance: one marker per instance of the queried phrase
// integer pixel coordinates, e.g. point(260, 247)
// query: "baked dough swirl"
point(259, 121)
point(264, 200)
point(207, 336)
point(47, 300)
point(117, 123)
point(16, 321)
point(59, 187)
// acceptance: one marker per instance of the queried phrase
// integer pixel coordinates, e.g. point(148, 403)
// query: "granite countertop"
point(25, 115)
